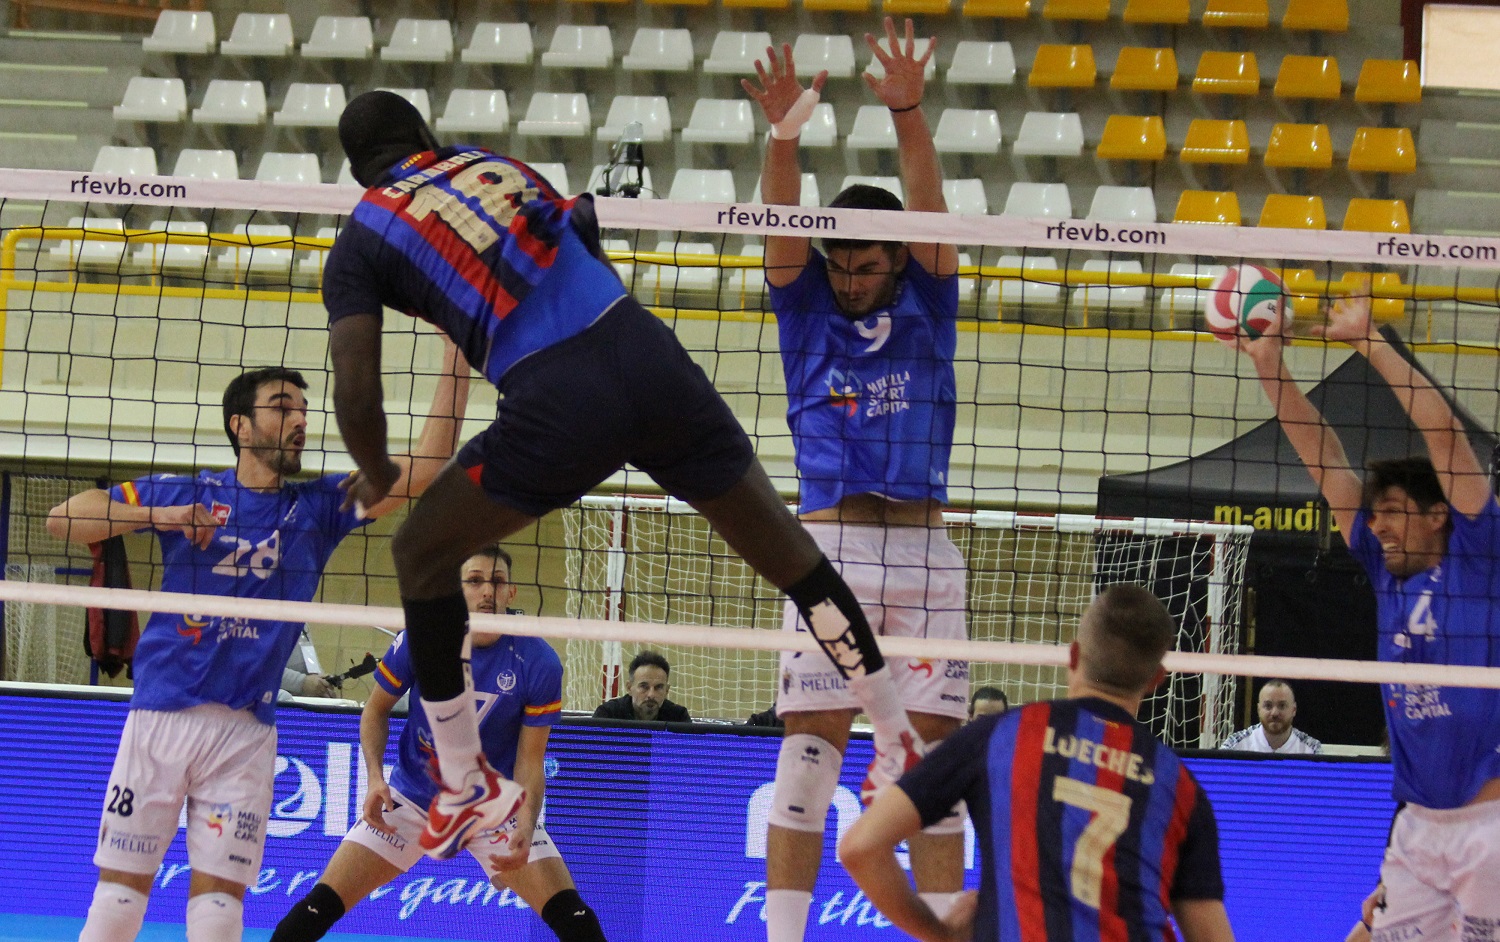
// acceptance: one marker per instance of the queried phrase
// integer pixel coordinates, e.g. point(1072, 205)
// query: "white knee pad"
point(115, 915)
point(952, 822)
point(807, 772)
point(215, 917)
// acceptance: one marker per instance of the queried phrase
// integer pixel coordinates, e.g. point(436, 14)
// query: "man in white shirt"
point(1274, 732)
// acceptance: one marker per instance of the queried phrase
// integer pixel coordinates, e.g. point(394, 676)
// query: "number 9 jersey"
point(480, 245)
point(269, 545)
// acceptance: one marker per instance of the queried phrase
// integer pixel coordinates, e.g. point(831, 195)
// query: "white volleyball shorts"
point(911, 583)
point(1442, 876)
point(399, 846)
point(221, 761)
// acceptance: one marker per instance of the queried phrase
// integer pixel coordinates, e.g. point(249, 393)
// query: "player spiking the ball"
point(201, 715)
point(486, 249)
point(1427, 530)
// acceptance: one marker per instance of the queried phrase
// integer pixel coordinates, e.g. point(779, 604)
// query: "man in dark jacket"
point(650, 681)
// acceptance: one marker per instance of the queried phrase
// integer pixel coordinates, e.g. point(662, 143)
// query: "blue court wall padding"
point(662, 828)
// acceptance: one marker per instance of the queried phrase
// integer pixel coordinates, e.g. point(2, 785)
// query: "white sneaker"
point(892, 760)
point(485, 800)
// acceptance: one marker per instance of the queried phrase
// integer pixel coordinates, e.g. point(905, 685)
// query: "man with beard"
point(518, 687)
point(646, 700)
point(201, 724)
point(1274, 733)
point(868, 332)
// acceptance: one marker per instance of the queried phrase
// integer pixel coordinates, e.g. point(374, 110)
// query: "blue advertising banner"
point(664, 831)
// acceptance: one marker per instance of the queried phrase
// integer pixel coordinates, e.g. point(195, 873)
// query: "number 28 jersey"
point(1089, 827)
point(269, 545)
point(481, 246)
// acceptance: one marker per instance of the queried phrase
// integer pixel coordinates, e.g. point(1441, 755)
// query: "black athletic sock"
point(435, 630)
point(571, 918)
point(312, 917)
point(853, 650)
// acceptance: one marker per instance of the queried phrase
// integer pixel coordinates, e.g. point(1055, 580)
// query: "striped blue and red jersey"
point(479, 245)
point(1089, 828)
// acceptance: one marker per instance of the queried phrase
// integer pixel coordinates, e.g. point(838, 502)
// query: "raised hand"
point(193, 521)
point(363, 491)
point(1265, 350)
point(900, 89)
point(1349, 317)
point(778, 88)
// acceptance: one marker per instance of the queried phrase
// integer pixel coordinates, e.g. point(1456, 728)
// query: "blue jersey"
point(479, 245)
point(269, 545)
point(517, 682)
point(1445, 741)
point(1089, 828)
point(871, 402)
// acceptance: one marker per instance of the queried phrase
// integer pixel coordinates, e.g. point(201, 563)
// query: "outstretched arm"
point(92, 515)
point(901, 91)
point(1464, 481)
point(1310, 434)
point(374, 732)
point(440, 432)
point(780, 96)
point(359, 407)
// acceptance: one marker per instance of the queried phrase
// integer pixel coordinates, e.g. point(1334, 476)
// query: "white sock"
point(115, 915)
point(878, 695)
point(786, 915)
point(215, 917)
point(940, 903)
point(455, 735)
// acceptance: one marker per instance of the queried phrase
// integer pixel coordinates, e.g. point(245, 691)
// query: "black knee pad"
point(312, 917)
point(571, 918)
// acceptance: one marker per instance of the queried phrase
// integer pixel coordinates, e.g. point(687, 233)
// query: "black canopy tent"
point(1310, 598)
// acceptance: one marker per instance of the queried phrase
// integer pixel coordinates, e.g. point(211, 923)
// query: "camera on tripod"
point(625, 174)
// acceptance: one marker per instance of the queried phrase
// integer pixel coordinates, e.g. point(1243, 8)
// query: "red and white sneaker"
point(485, 800)
point(892, 760)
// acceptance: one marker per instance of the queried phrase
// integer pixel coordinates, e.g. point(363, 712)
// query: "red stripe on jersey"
point(466, 263)
point(1182, 813)
point(475, 473)
point(539, 251)
point(1119, 737)
point(1025, 787)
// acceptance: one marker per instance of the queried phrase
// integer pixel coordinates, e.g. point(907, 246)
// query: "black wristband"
point(906, 109)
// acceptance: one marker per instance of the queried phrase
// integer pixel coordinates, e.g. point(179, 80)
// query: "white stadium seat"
point(310, 105)
point(499, 44)
point(1047, 200)
point(207, 165)
point(965, 131)
point(976, 62)
point(703, 186)
point(735, 53)
point(580, 47)
point(231, 102)
point(1124, 204)
point(340, 37)
point(652, 111)
point(260, 34)
point(189, 32)
point(1050, 134)
point(721, 121)
point(153, 99)
point(414, 40)
point(126, 161)
point(556, 114)
point(966, 197)
point(278, 167)
point(475, 111)
point(814, 52)
point(659, 50)
point(873, 129)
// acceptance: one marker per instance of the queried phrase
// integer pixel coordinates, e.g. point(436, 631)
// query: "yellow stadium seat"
point(1365, 215)
point(1306, 293)
point(1284, 211)
point(1237, 14)
point(1208, 206)
point(1309, 77)
point(1383, 150)
point(1156, 12)
point(1306, 146)
point(1093, 10)
point(758, 4)
point(998, 9)
point(1211, 141)
point(836, 6)
point(1145, 70)
point(1381, 309)
point(680, 3)
point(1063, 67)
point(916, 7)
point(1227, 73)
point(1130, 137)
point(1323, 16)
point(1389, 82)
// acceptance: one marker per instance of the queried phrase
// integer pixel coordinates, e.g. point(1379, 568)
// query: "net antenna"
point(625, 174)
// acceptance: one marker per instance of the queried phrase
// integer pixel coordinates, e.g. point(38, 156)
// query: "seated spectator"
point(650, 681)
point(986, 701)
point(1274, 732)
point(303, 675)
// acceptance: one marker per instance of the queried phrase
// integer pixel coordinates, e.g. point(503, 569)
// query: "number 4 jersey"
point(1089, 828)
point(269, 545)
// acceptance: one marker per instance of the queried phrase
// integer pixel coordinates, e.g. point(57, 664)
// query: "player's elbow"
point(58, 521)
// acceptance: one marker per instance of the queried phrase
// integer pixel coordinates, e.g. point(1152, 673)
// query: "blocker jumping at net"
point(1427, 530)
point(486, 249)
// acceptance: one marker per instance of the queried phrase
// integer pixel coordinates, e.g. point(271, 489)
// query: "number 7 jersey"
point(269, 545)
point(1089, 827)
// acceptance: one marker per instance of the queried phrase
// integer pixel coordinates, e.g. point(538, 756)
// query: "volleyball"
point(1246, 300)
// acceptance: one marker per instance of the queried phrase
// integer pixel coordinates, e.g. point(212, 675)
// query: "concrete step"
point(1456, 211)
point(97, 85)
point(111, 51)
point(76, 118)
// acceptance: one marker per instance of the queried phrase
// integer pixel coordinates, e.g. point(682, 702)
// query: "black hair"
point(863, 196)
point(239, 395)
point(495, 551)
point(377, 130)
point(988, 693)
point(1415, 475)
point(649, 659)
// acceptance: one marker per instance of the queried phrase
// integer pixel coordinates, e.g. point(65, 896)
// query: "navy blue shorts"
point(623, 391)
